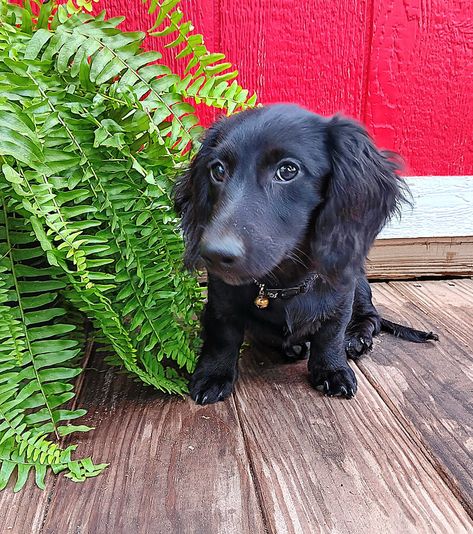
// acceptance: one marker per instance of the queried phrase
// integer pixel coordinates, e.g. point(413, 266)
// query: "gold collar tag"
point(261, 301)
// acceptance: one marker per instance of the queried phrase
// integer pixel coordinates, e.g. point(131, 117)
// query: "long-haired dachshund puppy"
point(282, 206)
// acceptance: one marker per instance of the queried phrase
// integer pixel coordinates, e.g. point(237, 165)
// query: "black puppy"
point(283, 205)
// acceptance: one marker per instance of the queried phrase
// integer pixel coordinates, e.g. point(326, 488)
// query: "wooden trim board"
point(434, 237)
point(395, 259)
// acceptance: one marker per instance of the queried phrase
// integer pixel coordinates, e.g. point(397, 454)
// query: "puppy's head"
point(281, 182)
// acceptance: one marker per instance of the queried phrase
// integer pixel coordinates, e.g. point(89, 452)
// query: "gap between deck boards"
point(254, 479)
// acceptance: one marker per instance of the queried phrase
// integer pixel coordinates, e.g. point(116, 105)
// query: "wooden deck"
point(278, 457)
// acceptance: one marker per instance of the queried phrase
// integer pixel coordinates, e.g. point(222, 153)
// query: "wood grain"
point(430, 387)
point(331, 465)
point(392, 259)
point(175, 467)
point(23, 512)
point(279, 457)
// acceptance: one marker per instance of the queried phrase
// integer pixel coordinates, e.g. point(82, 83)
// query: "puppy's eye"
point(217, 171)
point(286, 172)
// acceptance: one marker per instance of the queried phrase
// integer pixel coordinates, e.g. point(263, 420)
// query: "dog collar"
point(262, 300)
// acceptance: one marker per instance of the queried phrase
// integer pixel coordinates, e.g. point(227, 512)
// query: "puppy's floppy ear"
point(361, 193)
point(192, 197)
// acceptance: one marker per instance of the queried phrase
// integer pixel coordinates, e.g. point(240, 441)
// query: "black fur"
point(250, 225)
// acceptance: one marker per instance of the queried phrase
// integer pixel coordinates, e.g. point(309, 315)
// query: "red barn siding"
point(420, 89)
point(403, 67)
point(298, 52)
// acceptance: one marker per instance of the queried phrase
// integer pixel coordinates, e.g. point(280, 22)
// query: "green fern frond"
point(96, 52)
point(38, 360)
point(159, 321)
point(93, 130)
point(207, 74)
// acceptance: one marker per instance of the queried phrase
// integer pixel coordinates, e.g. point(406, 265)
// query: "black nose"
point(222, 252)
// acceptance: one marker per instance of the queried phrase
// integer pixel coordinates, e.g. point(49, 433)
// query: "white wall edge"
point(443, 207)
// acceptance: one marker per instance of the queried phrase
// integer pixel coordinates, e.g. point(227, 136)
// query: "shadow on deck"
point(278, 457)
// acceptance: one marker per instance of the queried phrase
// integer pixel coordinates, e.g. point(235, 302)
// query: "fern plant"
point(93, 130)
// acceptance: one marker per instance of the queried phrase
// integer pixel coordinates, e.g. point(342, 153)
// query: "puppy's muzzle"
point(222, 253)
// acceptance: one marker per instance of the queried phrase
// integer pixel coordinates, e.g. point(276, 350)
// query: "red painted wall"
point(403, 67)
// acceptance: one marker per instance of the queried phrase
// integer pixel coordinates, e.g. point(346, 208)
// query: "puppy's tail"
point(405, 332)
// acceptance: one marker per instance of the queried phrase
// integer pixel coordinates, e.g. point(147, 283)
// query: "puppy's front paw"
point(334, 383)
point(209, 389)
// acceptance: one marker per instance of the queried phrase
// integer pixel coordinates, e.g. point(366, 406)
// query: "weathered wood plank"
point(404, 259)
point(23, 512)
point(394, 259)
point(320, 465)
point(430, 387)
point(417, 244)
point(175, 467)
point(331, 465)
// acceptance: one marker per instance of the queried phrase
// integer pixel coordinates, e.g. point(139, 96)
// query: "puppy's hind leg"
point(365, 322)
point(296, 352)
